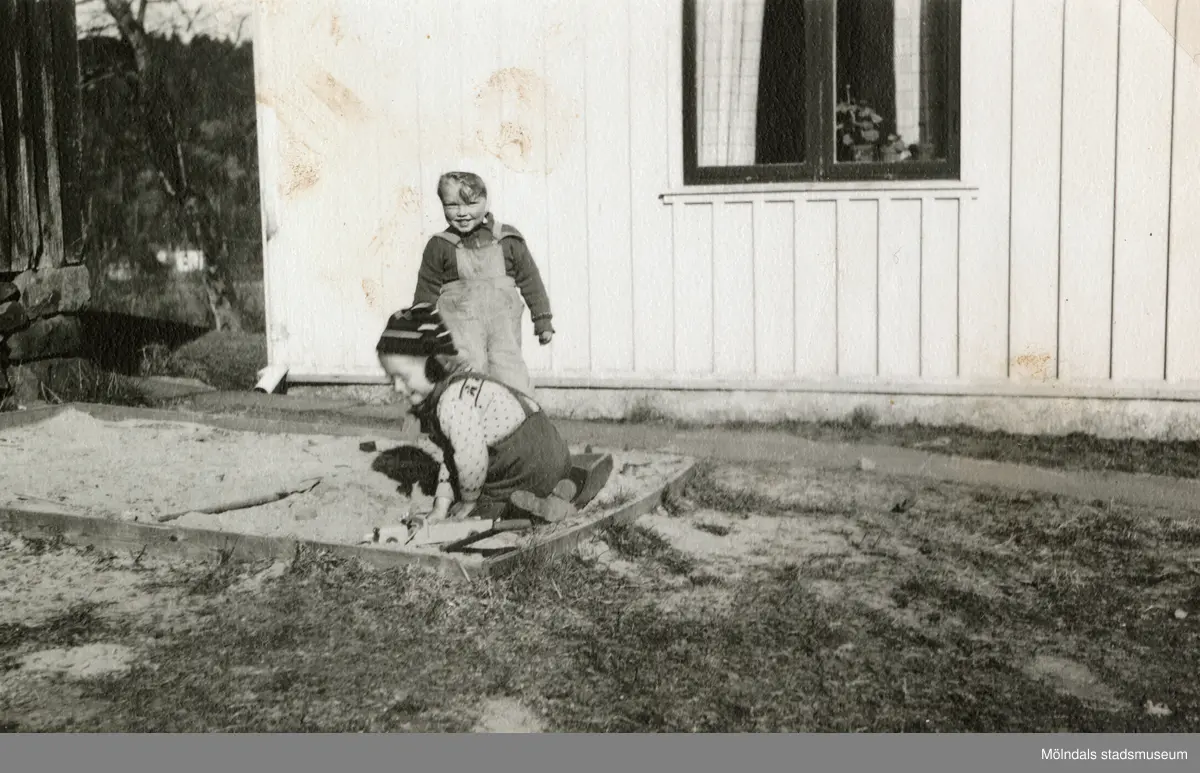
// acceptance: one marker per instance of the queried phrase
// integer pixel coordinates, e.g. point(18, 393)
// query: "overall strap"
point(527, 405)
point(453, 238)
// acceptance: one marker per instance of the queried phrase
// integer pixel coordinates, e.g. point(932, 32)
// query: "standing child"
point(476, 273)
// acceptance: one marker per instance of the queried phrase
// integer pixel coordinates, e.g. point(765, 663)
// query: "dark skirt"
point(534, 458)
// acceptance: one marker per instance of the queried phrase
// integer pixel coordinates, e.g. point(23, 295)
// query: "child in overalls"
point(501, 456)
point(476, 273)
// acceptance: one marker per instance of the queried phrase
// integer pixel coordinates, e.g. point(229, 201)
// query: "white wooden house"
point(1027, 256)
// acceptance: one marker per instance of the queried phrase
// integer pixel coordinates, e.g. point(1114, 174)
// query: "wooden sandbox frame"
point(192, 543)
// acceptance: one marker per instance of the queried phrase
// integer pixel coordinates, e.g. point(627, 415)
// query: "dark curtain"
point(779, 138)
point(866, 42)
point(934, 82)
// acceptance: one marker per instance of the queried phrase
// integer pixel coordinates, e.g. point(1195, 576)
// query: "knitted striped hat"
point(417, 331)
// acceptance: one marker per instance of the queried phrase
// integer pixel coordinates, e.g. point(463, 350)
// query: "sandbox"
point(119, 477)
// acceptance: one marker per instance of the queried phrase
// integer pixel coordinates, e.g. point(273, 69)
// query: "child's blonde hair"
point(471, 186)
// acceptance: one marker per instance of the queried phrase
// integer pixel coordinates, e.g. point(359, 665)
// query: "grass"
point(224, 359)
point(634, 542)
point(939, 641)
point(80, 381)
point(78, 625)
point(1074, 451)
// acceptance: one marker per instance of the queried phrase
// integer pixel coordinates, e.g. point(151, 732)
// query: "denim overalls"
point(482, 309)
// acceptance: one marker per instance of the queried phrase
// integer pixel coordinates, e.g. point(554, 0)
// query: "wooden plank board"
point(205, 544)
point(734, 288)
point(939, 288)
point(1036, 153)
point(14, 419)
point(987, 88)
point(1143, 194)
point(22, 201)
point(1088, 169)
point(608, 126)
point(858, 287)
point(693, 269)
point(387, 226)
point(816, 289)
point(900, 302)
point(69, 117)
point(276, 269)
point(522, 47)
point(1183, 302)
point(567, 541)
point(478, 43)
point(339, 338)
point(438, 61)
point(567, 208)
point(7, 247)
point(774, 287)
point(301, 246)
point(42, 99)
point(10, 419)
point(649, 155)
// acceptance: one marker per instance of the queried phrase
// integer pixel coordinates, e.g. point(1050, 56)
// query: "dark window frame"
point(820, 141)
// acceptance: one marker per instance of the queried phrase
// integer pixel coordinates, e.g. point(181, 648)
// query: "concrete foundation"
point(1140, 418)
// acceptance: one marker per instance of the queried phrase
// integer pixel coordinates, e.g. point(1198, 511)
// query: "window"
point(820, 90)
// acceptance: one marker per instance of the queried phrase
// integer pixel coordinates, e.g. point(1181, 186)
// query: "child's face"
point(408, 376)
point(463, 216)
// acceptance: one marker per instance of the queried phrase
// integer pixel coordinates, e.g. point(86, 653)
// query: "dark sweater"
point(439, 266)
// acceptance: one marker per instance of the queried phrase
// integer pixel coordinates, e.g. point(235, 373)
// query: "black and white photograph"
point(777, 367)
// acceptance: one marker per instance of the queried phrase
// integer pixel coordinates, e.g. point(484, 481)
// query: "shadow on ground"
point(114, 341)
point(410, 467)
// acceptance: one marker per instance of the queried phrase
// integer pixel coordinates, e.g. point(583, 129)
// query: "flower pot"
point(926, 152)
point(864, 153)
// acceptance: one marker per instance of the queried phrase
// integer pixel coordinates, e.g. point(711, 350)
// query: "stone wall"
point(40, 330)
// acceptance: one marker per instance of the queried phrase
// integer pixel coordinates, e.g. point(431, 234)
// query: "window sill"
point(958, 188)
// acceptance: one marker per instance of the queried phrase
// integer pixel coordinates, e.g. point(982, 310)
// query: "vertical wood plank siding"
point(40, 199)
point(1069, 250)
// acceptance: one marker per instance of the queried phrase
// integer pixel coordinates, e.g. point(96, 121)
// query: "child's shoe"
point(550, 509)
point(565, 490)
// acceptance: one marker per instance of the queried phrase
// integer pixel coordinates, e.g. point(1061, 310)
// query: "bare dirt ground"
point(769, 598)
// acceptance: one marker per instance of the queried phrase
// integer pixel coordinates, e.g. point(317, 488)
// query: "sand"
point(352, 506)
point(137, 470)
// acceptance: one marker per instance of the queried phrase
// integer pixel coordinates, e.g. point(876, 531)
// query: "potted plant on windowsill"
point(892, 150)
point(923, 151)
point(857, 131)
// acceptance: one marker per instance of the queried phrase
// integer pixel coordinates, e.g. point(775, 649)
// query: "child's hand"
point(441, 509)
point(546, 337)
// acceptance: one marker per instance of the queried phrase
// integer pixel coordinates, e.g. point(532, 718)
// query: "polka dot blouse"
point(474, 415)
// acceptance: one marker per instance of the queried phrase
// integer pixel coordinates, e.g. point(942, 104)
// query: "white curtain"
point(728, 52)
point(909, 63)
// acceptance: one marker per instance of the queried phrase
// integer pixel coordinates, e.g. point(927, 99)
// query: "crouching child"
point(502, 456)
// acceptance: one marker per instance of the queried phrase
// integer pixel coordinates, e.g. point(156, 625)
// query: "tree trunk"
point(195, 209)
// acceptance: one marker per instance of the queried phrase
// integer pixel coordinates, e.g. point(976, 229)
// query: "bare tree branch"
point(195, 209)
